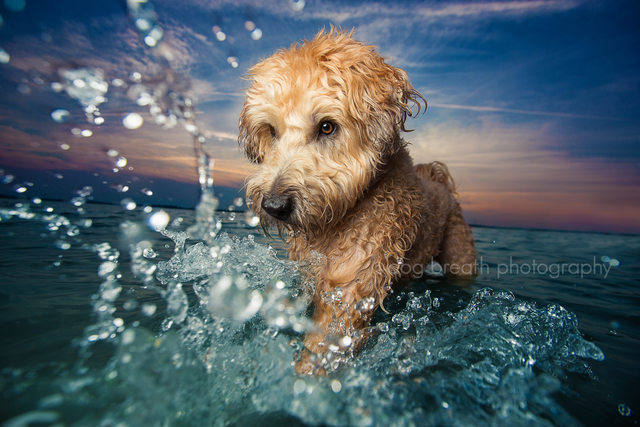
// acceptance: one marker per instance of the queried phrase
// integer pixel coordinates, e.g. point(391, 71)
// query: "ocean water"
point(109, 318)
point(125, 315)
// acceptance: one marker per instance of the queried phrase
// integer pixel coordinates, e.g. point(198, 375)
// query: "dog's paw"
point(308, 364)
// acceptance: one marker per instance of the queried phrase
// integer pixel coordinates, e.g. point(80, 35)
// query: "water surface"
point(114, 321)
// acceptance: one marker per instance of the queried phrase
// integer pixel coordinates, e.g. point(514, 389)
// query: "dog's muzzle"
point(278, 206)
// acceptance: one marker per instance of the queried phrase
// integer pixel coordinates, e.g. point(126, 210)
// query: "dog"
point(322, 124)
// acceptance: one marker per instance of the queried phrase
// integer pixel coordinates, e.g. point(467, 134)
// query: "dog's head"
point(319, 122)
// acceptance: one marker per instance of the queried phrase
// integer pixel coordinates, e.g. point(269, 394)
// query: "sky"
point(534, 105)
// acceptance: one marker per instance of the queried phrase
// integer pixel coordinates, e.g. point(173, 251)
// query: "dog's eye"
point(327, 128)
point(272, 131)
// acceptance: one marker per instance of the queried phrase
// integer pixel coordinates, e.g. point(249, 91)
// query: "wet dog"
point(322, 124)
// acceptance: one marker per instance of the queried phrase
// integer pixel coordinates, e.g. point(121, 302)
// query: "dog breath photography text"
point(595, 268)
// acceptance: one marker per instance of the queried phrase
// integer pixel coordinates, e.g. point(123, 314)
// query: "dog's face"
point(319, 121)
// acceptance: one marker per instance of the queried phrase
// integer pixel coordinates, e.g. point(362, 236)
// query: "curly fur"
point(356, 197)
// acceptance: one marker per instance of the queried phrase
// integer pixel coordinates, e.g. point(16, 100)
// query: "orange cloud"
point(507, 176)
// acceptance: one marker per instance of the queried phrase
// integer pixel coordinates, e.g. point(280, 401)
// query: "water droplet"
point(21, 189)
point(4, 56)
point(397, 318)
point(78, 201)
point(109, 290)
point(191, 128)
point(233, 61)
point(148, 309)
point(128, 204)
point(624, 410)
point(345, 341)
point(220, 35)
point(256, 34)
point(121, 162)
point(149, 253)
point(614, 262)
point(128, 336)
point(146, 192)
point(61, 244)
point(297, 5)
point(132, 121)
point(336, 386)
point(159, 220)
point(106, 268)
point(249, 25)
point(65, 147)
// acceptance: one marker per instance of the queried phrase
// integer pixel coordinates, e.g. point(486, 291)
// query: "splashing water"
point(217, 342)
point(145, 21)
point(88, 87)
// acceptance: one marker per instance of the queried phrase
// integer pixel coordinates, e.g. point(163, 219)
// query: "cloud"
point(517, 111)
point(511, 175)
point(339, 11)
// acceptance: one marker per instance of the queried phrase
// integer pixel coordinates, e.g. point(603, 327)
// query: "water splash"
point(88, 87)
point(223, 322)
point(145, 20)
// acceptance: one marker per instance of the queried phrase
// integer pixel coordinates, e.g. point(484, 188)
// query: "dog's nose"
point(278, 206)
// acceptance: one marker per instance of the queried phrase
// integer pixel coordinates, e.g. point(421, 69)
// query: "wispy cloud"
point(518, 111)
point(339, 12)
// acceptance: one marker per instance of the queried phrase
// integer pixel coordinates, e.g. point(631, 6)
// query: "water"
point(145, 327)
point(132, 314)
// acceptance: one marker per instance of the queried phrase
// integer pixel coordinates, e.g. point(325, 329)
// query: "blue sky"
point(534, 104)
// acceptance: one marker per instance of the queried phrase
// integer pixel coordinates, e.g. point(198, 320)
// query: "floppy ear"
point(246, 138)
point(382, 97)
point(253, 136)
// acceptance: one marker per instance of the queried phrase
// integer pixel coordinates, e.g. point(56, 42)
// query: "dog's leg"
point(337, 326)
point(341, 316)
point(458, 252)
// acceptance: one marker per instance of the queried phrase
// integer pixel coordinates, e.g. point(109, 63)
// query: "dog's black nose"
point(278, 206)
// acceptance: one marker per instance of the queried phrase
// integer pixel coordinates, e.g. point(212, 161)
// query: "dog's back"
point(437, 172)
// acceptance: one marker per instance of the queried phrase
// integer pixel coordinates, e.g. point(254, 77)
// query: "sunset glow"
point(533, 105)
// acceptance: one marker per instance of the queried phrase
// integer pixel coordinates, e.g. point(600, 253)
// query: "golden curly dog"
point(322, 124)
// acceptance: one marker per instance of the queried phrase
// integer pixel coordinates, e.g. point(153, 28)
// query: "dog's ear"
point(250, 136)
point(383, 98)
point(395, 100)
